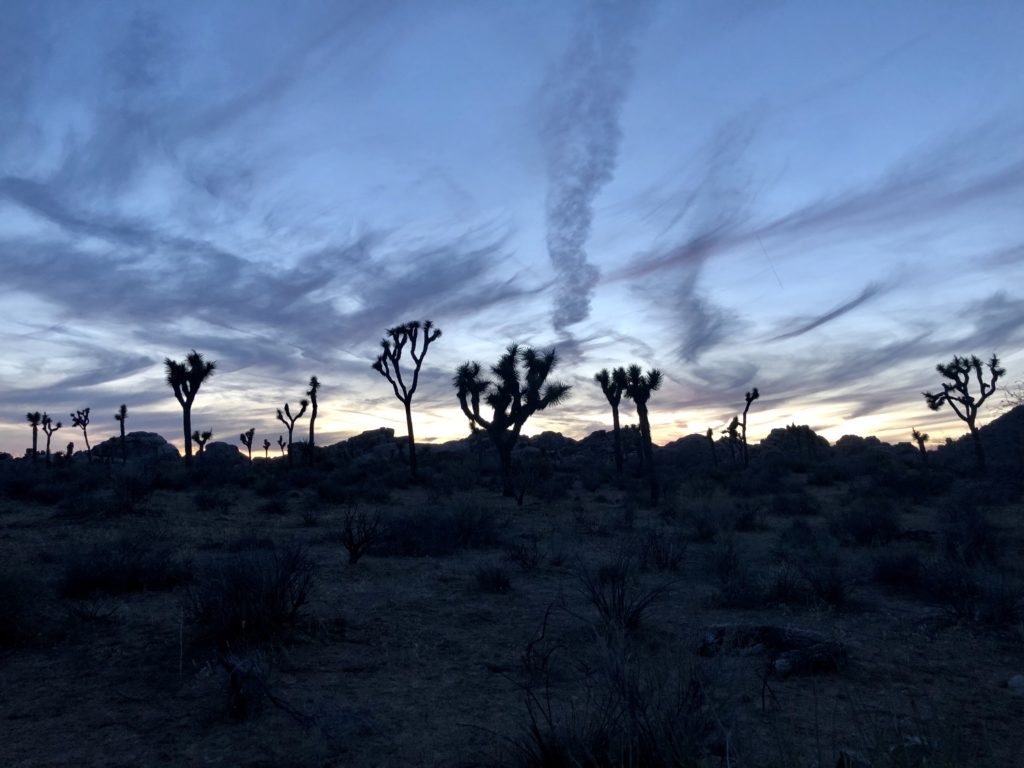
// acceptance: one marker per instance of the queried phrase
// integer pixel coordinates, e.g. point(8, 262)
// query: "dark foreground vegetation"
point(856, 604)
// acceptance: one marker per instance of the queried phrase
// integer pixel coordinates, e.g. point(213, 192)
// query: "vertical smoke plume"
point(581, 140)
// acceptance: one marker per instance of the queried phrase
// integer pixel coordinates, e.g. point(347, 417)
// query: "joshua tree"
point(750, 397)
point(80, 419)
point(921, 438)
point(281, 443)
point(120, 416)
point(639, 387)
point(956, 392)
point(314, 387)
point(201, 438)
point(613, 385)
point(266, 448)
point(35, 418)
point(733, 432)
point(185, 379)
point(246, 438)
point(513, 397)
point(710, 435)
point(288, 420)
point(388, 365)
point(49, 428)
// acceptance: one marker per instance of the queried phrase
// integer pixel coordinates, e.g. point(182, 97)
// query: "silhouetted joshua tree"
point(80, 419)
point(639, 387)
point(185, 379)
point(613, 385)
point(956, 392)
point(201, 439)
point(246, 438)
point(119, 417)
point(514, 396)
point(921, 438)
point(733, 433)
point(281, 443)
point(35, 418)
point(314, 387)
point(288, 420)
point(266, 448)
point(750, 397)
point(388, 365)
point(710, 435)
point(49, 427)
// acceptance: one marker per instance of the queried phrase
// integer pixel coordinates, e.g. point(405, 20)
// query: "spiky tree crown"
point(519, 388)
point(396, 341)
point(80, 418)
point(639, 385)
point(286, 417)
point(122, 413)
point(247, 436)
point(613, 385)
point(314, 387)
point(956, 392)
point(186, 378)
point(49, 427)
point(35, 418)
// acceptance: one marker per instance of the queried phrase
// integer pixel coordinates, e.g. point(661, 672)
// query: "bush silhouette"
point(288, 420)
point(613, 385)
point(185, 379)
point(388, 365)
point(34, 418)
point(513, 396)
point(119, 417)
point(956, 393)
point(639, 387)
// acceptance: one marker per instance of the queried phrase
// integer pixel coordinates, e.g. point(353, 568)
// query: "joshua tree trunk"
point(124, 448)
point(187, 420)
point(412, 440)
point(35, 443)
point(617, 438)
point(88, 448)
point(647, 450)
point(979, 451)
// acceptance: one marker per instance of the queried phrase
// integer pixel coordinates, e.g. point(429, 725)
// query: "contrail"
point(581, 136)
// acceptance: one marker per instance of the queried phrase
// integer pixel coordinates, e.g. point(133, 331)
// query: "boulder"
point(139, 446)
point(223, 455)
point(792, 651)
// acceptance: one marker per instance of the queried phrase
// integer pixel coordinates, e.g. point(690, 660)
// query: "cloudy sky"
point(822, 200)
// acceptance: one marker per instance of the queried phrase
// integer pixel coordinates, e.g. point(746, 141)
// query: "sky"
point(822, 200)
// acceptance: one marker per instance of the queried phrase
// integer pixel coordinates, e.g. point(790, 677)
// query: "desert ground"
point(848, 605)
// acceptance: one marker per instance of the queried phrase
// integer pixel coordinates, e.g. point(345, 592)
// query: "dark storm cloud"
point(800, 326)
point(581, 137)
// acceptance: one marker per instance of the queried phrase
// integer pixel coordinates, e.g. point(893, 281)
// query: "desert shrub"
point(166, 475)
point(133, 563)
point(592, 477)
point(525, 553)
point(867, 522)
point(747, 516)
point(82, 506)
point(440, 534)
point(902, 571)
point(274, 505)
point(493, 579)
point(795, 504)
point(815, 555)
point(217, 500)
point(662, 550)
point(615, 592)
point(704, 516)
point(19, 614)
point(251, 597)
point(360, 532)
point(967, 534)
point(270, 485)
point(132, 487)
point(785, 586)
point(248, 542)
point(737, 587)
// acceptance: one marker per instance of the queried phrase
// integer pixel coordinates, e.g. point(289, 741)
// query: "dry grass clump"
point(131, 563)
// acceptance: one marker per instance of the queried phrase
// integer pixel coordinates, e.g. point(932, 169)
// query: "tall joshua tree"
point(314, 387)
point(266, 448)
point(639, 387)
point(34, 418)
point(613, 385)
point(246, 438)
point(288, 420)
point(49, 427)
point(185, 378)
point(519, 389)
point(750, 397)
point(119, 417)
point(388, 365)
point(80, 419)
point(956, 392)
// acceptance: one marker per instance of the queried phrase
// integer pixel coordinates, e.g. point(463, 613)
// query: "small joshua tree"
point(80, 419)
point(513, 396)
point(639, 387)
point(266, 448)
point(388, 365)
point(732, 432)
point(314, 388)
point(710, 435)
point(750, 397)
point(201, 439)
point(34, 418)
point(49, 427)
point(281, 443)
point(921, 438)
point(288, 420)
point(956, 393)
point(246, 438)
point(613, 385)
point(185, 379)
point(120, 416)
